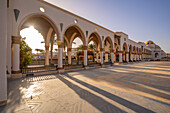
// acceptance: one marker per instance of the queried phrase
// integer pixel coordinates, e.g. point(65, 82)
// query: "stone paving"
point(137, 87)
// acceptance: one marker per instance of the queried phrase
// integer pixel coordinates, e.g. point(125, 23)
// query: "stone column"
point(60, 57)
point(106, 56)
point(120, 56)
point(46, 55)
point(135, 56)
point(138, 57)
point(97, 56)
point(131, 56)
point(143, 55)
point(69, 55)
point(127, 56)
point(85, 55)
point(3, 44)
point(112, 56)
point(16, 54)
point(101, 56)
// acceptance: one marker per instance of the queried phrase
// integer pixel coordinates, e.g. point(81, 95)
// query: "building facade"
point(51, 20)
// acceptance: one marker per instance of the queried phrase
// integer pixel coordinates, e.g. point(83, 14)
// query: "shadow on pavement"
point(94, 100)
point(128, 104)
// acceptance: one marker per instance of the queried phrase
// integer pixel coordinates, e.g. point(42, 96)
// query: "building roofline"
point(132, 41)
point(47, 3)
point(122, 33)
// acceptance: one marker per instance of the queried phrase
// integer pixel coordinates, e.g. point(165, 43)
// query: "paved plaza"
point(136, 87)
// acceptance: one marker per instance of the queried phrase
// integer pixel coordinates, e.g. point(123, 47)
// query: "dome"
point(149, 42)
point(157, 47)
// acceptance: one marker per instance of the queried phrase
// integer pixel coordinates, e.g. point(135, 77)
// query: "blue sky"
point(142, 20)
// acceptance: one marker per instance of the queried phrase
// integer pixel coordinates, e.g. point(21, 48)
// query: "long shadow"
point(128, 104)
point(159, 94)
point(127, 79)
point(94, 100)
point(150, 68)
point(15, 96)
point(134, 68)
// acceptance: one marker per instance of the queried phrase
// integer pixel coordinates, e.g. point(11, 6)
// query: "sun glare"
point(33, 38)
point(32, 27)
point(77, 43)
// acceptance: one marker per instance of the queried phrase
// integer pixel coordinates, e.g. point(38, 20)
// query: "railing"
point(76, 66)
point(93, 64)
point(32, 70)
point(107, 63)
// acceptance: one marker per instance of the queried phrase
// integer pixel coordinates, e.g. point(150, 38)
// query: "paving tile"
point(144, 85)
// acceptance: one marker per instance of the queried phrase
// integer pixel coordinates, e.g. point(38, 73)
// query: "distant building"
point(156, 51)
point(168, 55)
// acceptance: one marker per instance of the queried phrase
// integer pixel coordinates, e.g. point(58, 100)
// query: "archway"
point(48, 30)
point(108, 47)
point(130, 53)
point(94, 45)
point(137, 54)
point(116, 49)
point(124, 52)
point(140, 54)
point(134, 53)
point(156, 55)
point(75, 54)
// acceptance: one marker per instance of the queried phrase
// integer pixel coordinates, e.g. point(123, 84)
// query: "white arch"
point(44, 16)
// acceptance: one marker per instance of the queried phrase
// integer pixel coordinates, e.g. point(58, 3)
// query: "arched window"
point(156, 55)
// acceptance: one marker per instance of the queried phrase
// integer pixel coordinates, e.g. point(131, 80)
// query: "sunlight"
point(78, 42)
point(33, 38)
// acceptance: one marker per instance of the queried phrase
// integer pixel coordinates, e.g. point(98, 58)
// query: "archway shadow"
point(14, 95)
point(128, 104)
point(96, 101)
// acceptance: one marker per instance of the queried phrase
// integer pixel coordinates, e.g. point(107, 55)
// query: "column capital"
point(106, 52)
point(46, 47)
point(16, 39)
point(101, 49)
point(112, 50)
point(61, 45)
point(85, 47)
point(3, 102)
point(16, 72)
point(69, 49)
point(120, 51)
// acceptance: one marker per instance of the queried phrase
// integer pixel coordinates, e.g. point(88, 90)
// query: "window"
point(42, 9)
point(75, 21)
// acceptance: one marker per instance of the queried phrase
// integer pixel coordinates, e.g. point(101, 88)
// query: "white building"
point(49, 20)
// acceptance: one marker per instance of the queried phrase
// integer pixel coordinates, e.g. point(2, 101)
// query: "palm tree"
point(56, 50)
point(92, 47)
point(65, 45)
point(52, 42)
point(39, 50)
point(80, 47)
